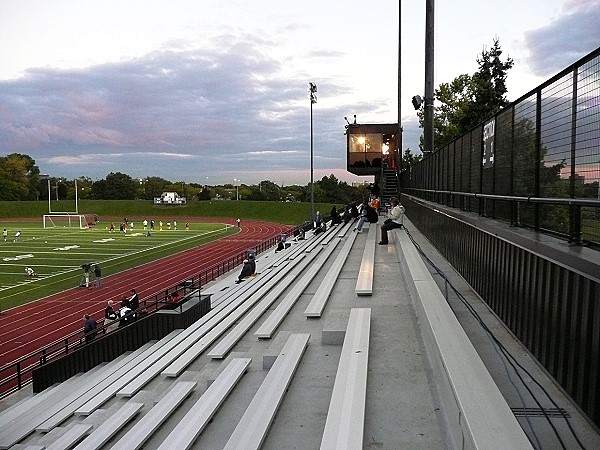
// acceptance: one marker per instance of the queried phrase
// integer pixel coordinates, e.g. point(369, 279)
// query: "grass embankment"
point(291, 213)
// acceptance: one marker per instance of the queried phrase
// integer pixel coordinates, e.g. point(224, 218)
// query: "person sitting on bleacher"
point(247, 270)
point(126, 314)
point(320, 229)
point(375, 203)
point(368, 213)
point(299, 235)
point(282, 245)
point(395, 220)
point(335, 217)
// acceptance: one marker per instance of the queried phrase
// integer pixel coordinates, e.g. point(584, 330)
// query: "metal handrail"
point(591, 202)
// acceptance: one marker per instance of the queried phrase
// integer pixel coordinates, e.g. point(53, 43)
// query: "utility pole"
point(312, 90)
point(429, 74)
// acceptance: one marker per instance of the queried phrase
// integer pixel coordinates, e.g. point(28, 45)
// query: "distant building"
point(169, 198)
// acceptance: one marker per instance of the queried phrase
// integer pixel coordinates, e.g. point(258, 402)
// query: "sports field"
point(57, 254)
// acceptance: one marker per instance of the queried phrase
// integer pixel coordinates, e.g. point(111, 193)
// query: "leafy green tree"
point(409, 159)
point(116, 186)
point(19, 178)
point(204, 194)
point(469, 100)
point(153, 187)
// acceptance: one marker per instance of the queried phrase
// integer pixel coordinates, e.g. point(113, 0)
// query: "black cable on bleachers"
point(509, 357)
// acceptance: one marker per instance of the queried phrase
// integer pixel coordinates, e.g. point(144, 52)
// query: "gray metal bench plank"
point(252, 428)
point(21, 426)
point(71, 437)
point(150, 422)
point(227, 343)
point(48, 394)
point(98, 390)
point(109, 428)
point(364, 283)
point(344, 426)
point(186, 358)
point(317, 303)
point(268, 327)
point(193, 423)
point(173, 362)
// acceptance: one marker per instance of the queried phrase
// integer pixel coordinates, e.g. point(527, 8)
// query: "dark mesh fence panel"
point(503, 170)
point(587, 147)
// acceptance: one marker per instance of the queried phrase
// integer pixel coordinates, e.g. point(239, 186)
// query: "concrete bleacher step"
point(317, 304)
point(344, 426)
point(193, 423)
point(252, 428)
point(334, 327)
point(268, 327)
point(153, 419)
point(269, 356)
point(73, 435)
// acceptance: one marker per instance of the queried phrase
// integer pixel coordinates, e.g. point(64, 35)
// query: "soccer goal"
point(66, 221)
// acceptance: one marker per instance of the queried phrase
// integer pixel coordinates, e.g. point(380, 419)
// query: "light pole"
point(237, 189)
point(312, 91)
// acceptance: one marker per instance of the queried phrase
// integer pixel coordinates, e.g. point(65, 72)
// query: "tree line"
point(20, 180)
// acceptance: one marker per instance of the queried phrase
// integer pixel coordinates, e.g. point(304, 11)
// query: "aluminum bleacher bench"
point(346, 416)
point(71, 437)
point(227, 343)
point(364, 283)
point(102, 389)
point(110, 427)
point(29, 420)
point(153, 419)
point(479, 414)
point(49, 395)
point(317, 303)
point(186, 358)
point(193, 423)
point(252, 428)
point(268, 327)
point(205, 331)
point(196, 338)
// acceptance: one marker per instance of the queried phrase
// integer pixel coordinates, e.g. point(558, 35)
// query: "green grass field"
point(56, 254)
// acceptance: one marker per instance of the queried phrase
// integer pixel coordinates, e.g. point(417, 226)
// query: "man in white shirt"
point(394, 220)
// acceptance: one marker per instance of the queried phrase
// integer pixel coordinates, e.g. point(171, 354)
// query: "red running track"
point(29, 327)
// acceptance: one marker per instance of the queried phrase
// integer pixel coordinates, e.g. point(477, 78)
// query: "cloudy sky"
point(208, 91)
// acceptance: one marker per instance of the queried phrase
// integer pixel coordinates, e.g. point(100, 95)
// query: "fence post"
point(575, 233)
